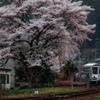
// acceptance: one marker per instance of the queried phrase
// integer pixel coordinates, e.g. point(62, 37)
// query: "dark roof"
point(4, 69)
point(97, 64)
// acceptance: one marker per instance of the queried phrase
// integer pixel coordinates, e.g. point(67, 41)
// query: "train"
point(91, 72)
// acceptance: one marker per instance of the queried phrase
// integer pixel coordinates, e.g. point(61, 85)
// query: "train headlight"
point(94, 78)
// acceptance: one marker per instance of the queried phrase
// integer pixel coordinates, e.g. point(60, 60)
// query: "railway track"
point(58, 96)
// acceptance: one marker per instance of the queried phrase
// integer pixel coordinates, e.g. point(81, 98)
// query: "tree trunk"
point(71, 78)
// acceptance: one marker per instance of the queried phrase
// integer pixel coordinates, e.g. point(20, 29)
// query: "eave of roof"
point(5, 69)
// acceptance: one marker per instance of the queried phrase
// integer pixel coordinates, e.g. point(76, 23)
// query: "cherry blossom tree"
point(35, 31)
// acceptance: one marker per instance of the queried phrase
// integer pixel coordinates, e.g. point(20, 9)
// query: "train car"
point(91, 71)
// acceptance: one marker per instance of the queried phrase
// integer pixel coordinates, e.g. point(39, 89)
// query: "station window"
point(94, 70)
point(7, 79)
point(2, 78)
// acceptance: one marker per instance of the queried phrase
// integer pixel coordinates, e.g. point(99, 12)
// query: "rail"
point(58, 96)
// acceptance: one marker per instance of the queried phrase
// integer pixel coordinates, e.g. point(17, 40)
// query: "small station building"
point(5, 78)
point(7, 75)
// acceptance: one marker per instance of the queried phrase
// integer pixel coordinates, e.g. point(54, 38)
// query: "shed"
point(7, 75)
point(5, 78)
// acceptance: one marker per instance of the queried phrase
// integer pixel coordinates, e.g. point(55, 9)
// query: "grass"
point(15, 93)
point(96, 98)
